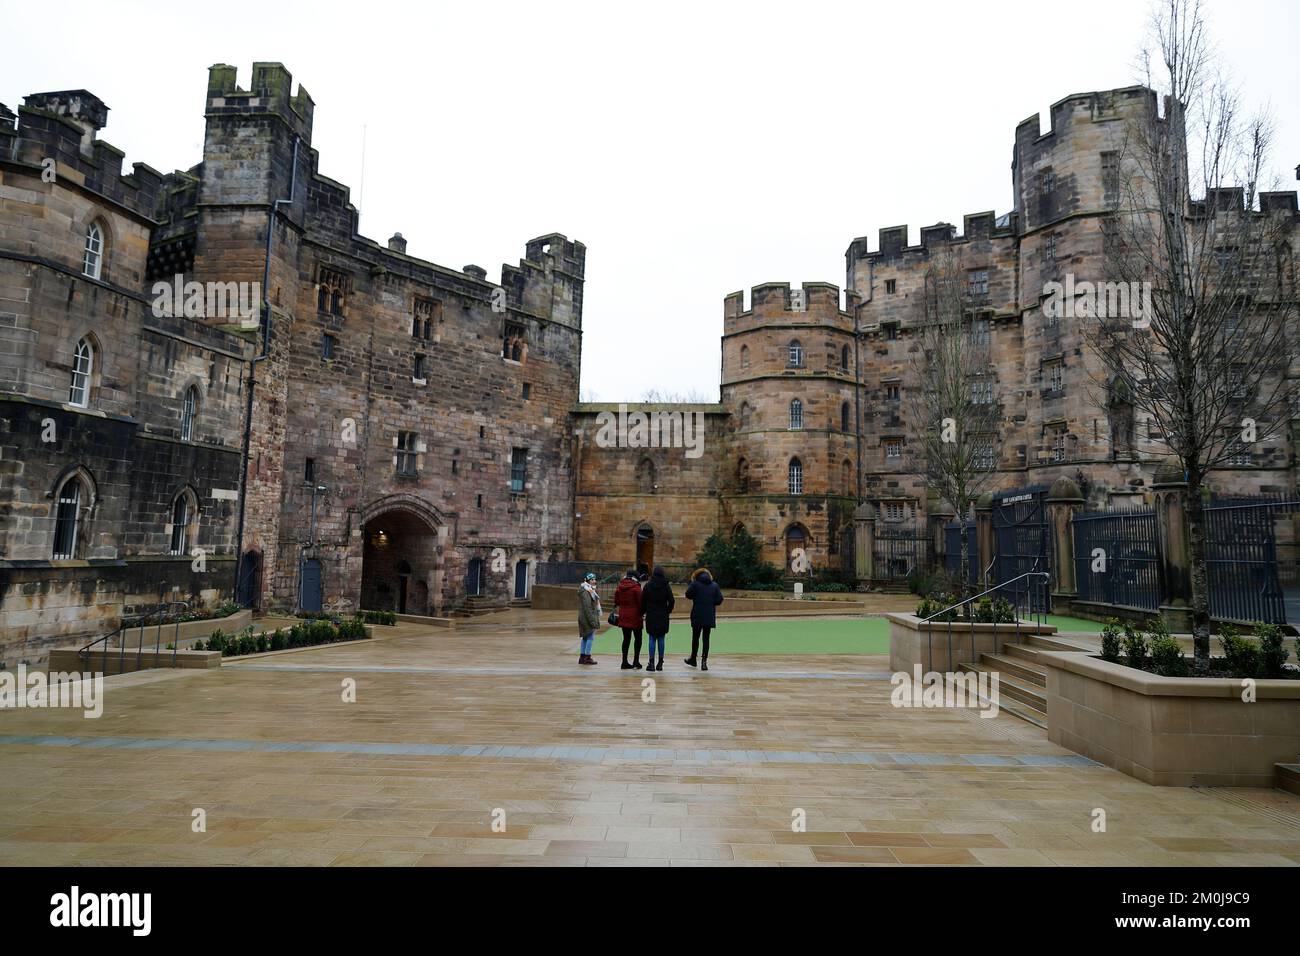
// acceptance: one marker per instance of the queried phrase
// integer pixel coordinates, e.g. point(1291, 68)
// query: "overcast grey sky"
point(696, 148)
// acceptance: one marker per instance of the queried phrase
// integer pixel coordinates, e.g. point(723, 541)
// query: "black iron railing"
point(161, 615)
point(1117, 558)
point(1029, 590)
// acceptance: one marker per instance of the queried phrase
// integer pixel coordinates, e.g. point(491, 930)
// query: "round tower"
point(790, 475)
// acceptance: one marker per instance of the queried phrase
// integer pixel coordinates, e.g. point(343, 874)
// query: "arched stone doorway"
point(645, 546)
point(401, 566)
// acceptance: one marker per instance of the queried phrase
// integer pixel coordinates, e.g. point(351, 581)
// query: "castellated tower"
point(788, 378)
point(1055, 415)
point(408, 442)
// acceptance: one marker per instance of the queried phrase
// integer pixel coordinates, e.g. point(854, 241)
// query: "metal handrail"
point(141, 621)
point(1041, 576)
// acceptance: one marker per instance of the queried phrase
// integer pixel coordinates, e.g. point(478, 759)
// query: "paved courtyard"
point(494, 721)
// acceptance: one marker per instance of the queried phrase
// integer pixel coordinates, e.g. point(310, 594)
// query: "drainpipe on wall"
point(252, 365)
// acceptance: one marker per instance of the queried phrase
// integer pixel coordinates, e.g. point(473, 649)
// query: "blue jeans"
point(660, 641)
point(586, 644)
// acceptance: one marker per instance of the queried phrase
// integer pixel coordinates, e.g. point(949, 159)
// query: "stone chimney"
point(397, 243)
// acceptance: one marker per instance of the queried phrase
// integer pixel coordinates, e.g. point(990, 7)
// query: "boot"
point(689, 662)
point(704, 664)
point(625, 665)
point(636, 663)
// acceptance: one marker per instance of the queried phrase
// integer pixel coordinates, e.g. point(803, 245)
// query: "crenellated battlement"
point(892, 241)
point(270, 91)
point(1095, 107)
point(62, 127)
point(813, 302)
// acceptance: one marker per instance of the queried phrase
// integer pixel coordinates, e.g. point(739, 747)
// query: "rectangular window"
point(417, 372)
point(327, 346)
point(528, 390)
point(977, 282)
point(894, 511)
point(518, 469)
point(407, 458)
point(893, 448)
point(180, 520)
point(309, 471)
point(1239, 453)
point(1054, 376)
point(423, 317)
point(512, 342)
point(1056, 443)
point(1049, 248)
point(1110, 180)
point(891, 286)
point(894, 393)
point(981, 392)
point(985, 458)
point(479, 503)
point(980, 330)
point(891, 332)
point(1048, 181)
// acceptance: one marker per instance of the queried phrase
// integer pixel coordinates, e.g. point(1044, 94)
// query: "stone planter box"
point(1171, 731)
point(189, 631)
point(68, 660)
point(912, 642)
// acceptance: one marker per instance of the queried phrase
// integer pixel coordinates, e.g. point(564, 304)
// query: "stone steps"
point(1288, 777)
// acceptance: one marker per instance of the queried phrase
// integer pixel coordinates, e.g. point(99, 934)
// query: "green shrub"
point(765, 586)
point(1272, 652)
point(1110, 640)
point(737, 559)
point(262, 643)
point(931, 606)
point(278, 642)
point(197, 646)
point(1135, 647)
point(829, 587)
point(1167, 656)
point(984, 611)
point(920, 582)
point(217, 641)
point(1240, 653)
point(1004, 612)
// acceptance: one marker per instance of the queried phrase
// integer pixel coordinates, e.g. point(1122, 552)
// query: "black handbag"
point(613, 617)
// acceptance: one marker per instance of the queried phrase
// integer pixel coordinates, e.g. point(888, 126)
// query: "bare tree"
point(1205, 357)
point(953, 417)
point(655, 396)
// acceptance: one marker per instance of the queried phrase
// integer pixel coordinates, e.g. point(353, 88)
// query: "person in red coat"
point(627, 598)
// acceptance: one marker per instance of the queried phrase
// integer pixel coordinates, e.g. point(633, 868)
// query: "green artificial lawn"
point(738, 636)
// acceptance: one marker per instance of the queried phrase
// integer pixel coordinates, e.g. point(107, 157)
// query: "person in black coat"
point(705, 596)
point(657, 604)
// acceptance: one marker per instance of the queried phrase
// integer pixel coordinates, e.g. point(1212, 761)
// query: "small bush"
point(920, 582)
point(1167, 657)
point(1135, 647)
point(829, 587)
point(277, 640)
point(1110, 640)
point(1272, 652)
point(764, 586)
point(217, 642)
point(197, 646)
point(1240, 653)
point(933, 605)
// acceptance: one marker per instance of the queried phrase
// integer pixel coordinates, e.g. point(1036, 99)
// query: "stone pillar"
point(984, 535)
point(864, 542)
point(939, 514)
point(1064, 501)
point(1175, 549)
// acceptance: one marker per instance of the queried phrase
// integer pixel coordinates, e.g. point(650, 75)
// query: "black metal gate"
point(1241, 559)
point(898, 552)
point(1117, 558)
point(1020, 536)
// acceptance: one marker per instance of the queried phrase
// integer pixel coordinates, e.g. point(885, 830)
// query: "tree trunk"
point(964, 570)
point(1199, 575)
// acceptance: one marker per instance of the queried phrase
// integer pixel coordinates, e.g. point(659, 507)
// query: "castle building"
point(213, 388)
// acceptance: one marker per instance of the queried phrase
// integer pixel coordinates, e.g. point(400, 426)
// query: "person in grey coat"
point(588, 618)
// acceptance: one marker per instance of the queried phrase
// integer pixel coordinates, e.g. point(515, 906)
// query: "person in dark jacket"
point(705, 596)
point(588, 618)
point(657, 604)
point(627, 599)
